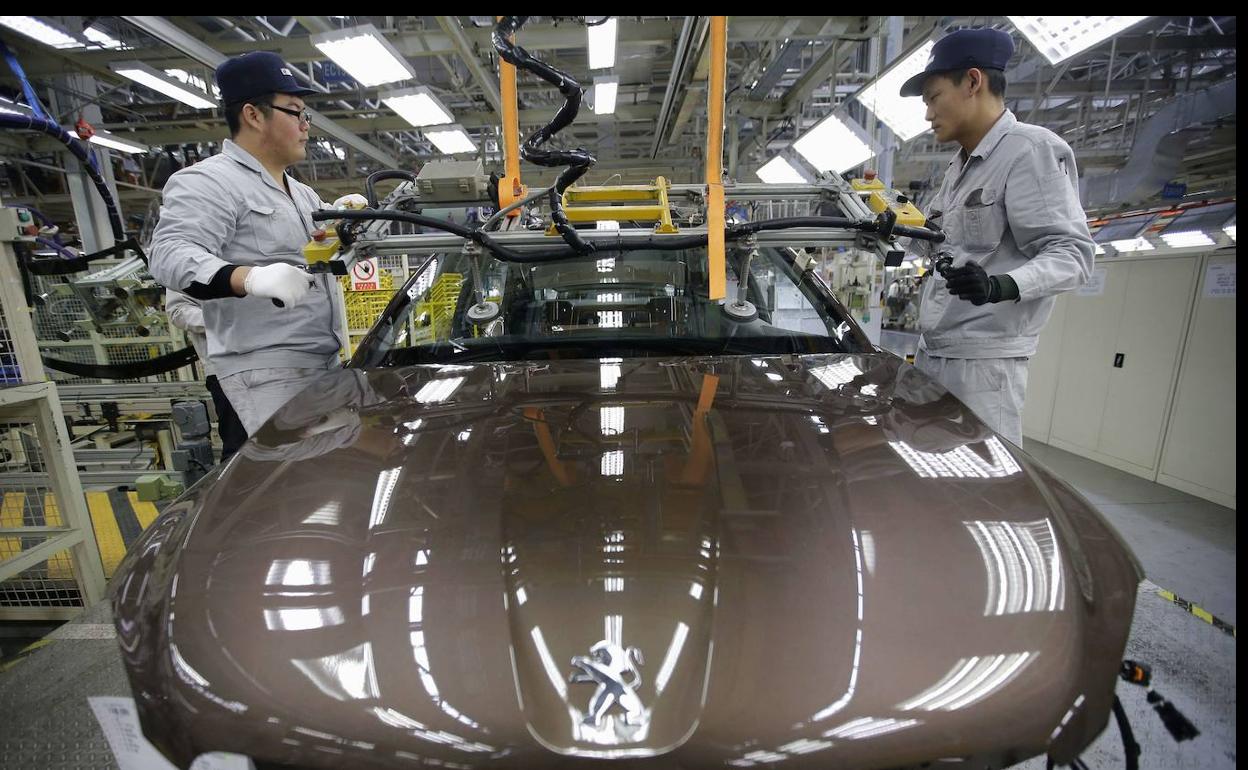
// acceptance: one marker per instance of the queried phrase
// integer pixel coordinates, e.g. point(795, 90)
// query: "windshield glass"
point(630, 303)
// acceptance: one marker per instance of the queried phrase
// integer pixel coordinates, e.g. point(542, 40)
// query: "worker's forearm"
point(238, 280)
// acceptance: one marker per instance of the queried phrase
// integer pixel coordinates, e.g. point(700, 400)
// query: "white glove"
point(285, 283)
point(351, 201)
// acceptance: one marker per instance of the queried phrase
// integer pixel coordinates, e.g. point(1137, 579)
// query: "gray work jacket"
point(227, 210)
point(1013, 207)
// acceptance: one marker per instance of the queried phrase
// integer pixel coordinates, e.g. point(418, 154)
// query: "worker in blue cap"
point(1017, 234)
point(231, 233)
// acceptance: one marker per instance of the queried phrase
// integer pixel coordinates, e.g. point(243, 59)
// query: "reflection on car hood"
point(722, 562)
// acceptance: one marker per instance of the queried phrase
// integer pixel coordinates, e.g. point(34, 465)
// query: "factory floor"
point(1187, 547)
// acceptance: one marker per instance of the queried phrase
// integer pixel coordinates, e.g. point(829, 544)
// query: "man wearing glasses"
point(231, 233)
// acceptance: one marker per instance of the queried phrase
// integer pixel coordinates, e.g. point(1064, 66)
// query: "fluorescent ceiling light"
point(1186, 239)
point(8, 107)
point(43, 31)
point(779, 171)
point(602, 44)
point(1061, 37)
point(102, 38)
point(364, 54)
point(451, 139)
point(337, 152)
point(114, 142)
point(905, 115)
point(182, 76)
point(833, 146)
point(156, 80)
point(605, 89)
point(418, 106)
point(1230, 231)
point(1132, 244)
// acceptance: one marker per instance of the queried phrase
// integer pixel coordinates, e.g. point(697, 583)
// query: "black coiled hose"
point(32, 123)
point(578, 161)
point(385, 173)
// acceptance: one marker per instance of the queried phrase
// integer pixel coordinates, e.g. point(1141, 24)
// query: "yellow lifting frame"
point(651, 199)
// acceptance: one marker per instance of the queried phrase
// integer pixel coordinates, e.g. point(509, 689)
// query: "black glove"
point(971, 283)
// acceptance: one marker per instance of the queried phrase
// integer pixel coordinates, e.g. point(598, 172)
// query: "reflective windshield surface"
point(633, 303)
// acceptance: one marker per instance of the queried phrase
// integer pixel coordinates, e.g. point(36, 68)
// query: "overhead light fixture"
point(780, 171)
point(182, 76)
point(833, 145)
point(1230, 231)
point(102, 38)
point(365, 54)
point(605, 90)
point(149, 76)
point(9, 107)
point(606, 224)
point(418, 106)
point(1187, 239)
point(450, 139)
point(906, 116)
point(44, 32)
point(1132, 244)
point(1061, 37)
point(602, 44)
point(114, 142)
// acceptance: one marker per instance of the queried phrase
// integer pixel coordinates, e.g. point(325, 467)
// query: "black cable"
point(578, 161)
point(1129, 747)
point(385, 173)
point(51, 128)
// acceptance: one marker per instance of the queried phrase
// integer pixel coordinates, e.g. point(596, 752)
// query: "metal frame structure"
point(782, 75)
point(34, 576)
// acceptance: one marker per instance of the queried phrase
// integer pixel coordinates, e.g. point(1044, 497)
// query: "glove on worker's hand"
point(971, 283)
point(351, 201)
point(280, 281)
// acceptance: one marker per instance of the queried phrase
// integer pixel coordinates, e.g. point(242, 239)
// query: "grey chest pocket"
point(983, 219)
point(270, 230)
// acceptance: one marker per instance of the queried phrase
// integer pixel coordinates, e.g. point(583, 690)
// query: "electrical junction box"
point(450, 181)
point(17, 224)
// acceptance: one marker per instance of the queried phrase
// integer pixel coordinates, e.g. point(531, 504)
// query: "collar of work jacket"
point(988, 143)
point(236, 153)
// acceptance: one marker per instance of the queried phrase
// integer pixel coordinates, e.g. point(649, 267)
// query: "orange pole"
point(714, 158)
point(509, 187)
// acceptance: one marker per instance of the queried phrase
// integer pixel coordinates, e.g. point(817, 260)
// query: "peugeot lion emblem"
point(614, 670)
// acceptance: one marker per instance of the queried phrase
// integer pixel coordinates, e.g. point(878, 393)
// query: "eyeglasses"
point(303, 115)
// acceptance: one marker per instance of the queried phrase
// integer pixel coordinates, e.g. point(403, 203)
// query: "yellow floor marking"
point(60, 566)
point(107, 534)
point(11, 516)
point(145, 511)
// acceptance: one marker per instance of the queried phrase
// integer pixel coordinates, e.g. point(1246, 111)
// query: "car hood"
point(821, 560)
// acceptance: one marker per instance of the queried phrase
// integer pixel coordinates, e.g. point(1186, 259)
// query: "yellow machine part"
point(649, 204)
point(880, 198)
point(320, 251)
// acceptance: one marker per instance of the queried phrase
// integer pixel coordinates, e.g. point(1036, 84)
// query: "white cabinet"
point(1120, 352)
point(1151, 332)
point(1199, 452)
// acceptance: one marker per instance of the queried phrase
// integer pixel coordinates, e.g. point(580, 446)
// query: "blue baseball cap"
point(987, 49)
point(258, 73)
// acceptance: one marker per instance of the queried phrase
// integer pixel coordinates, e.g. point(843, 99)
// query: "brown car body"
point(807, 562)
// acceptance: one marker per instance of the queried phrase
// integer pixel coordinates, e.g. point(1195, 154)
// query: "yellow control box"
point(320, 251)
point(880, 197)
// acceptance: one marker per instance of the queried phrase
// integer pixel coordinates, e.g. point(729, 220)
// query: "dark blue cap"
point(258, 73)
point(987, 49)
